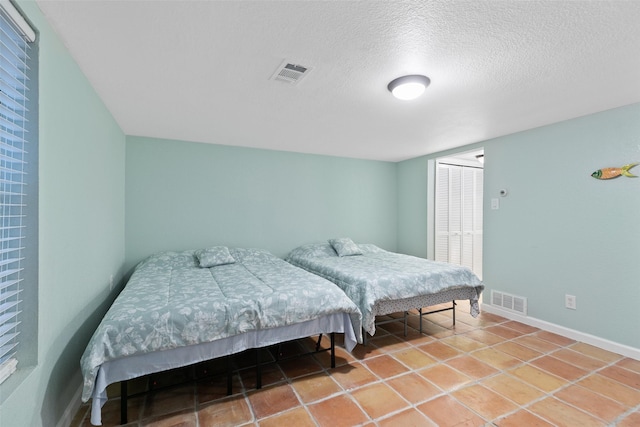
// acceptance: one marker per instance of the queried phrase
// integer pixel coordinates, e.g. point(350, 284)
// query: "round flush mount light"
point(408, 87)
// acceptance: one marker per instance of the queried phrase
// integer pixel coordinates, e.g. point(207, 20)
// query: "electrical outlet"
point(570, 301)
point(495, 204)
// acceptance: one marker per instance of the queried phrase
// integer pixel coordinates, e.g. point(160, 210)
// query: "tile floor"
point(487, 371)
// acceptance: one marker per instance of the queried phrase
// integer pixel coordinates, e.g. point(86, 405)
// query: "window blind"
point(14, 149)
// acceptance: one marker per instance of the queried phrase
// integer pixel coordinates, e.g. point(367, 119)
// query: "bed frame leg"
point(318, 343)
point(123, 402)
point(420, 313)
point(229, 376)
point(364, 337)
point(333, 349)
point(454, 312)
point(258, 370)
point(405, 323)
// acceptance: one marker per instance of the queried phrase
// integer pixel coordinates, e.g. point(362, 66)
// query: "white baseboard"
point(605, 344)
point(71, 409)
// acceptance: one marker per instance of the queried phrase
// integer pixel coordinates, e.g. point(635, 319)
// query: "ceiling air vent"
point(290, 73)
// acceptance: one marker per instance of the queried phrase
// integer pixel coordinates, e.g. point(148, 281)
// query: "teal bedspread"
point(378, 275)
point(170, 301)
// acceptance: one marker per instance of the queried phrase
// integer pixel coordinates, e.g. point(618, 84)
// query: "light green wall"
point(412, 198)
point(183, 195)
point(559, 231)
point(81, 241)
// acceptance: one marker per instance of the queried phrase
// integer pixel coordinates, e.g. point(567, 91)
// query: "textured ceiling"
point(200, 70)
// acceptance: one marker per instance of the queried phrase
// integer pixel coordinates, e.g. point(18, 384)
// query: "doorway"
point(458, 209)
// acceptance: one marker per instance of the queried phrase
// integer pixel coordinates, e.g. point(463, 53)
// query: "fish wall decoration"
point(609, 173)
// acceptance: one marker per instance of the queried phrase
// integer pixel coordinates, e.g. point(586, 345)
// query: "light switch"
point(495, 204)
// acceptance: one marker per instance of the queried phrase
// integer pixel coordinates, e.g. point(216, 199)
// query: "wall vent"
point(290, 73)
point(510, 302)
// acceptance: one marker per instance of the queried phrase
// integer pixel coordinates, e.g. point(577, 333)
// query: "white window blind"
point(14, 149)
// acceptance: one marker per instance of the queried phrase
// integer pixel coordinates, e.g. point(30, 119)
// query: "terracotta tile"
point(593, 403)
point(338, 411)
point(111, 411)
point(622, 375)
point(490, 319)
point(343, 357)
point(298, 417)
point(504, 332)
point(595, 352)
point(555, 338)
point(513, 389)
point(409, 418)
point(183, 419)
point(522, 418)
point(388, 343)
point(440, 350)
point(611, 389)
point(271, 374)
point(273, 399)
point(561, 414)
point(362, 352)
point(516, 350)
point(537, 344)
point(559, 368)
point(538, 378)
point(414, 387)
point(631, 420)
point(520, 327)
point(445, 411)
point(168, 401)
point(463, 343)
point(315, 387)
point(229, 412)
point(496, 358)
point(300, 366)
point(484, 336)
point(472, 367)
point(379, 399)
point(352, 376)
point(414, 337)
point(444, 377)
point(433, 329)
point(385, 366)
point(216, 388)
point(414, 358)
point(630, 364)
point(578, 359)
point(485, 402)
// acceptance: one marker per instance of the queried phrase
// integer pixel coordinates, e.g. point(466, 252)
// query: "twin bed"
point(182, 308)
point(382, 282)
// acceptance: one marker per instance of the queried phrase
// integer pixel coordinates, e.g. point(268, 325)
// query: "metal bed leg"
point(420, 313)
point(454, 311)
point(318, 343)
point(333, 349)
point(123, 402)
point(258, 370)
point(229, 376)
point(364, 337)
point(405, 323)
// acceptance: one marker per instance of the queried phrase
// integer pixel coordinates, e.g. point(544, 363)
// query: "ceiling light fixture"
point(408, 87)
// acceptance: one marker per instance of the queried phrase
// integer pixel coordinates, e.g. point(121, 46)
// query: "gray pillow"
point(345, 247)
point(211, 257)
